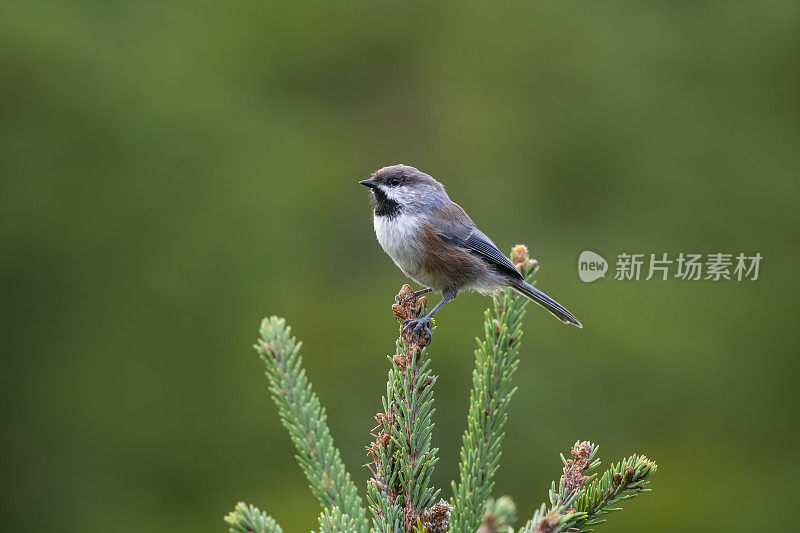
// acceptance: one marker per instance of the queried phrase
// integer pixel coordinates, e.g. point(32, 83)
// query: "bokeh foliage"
point(172, 172)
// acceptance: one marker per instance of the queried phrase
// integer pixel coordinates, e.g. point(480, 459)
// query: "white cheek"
point(397, 194)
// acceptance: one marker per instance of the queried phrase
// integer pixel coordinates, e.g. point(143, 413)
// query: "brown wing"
point(454, 226)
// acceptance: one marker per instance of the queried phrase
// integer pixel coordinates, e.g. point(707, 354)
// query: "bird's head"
point(404, 189)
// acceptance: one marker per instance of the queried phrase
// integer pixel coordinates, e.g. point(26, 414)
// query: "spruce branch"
point(305, 419)
point(402, 455)
point(333, 521)
point(248, 519)
point(500, 515)
point(496, 361)
point(581, 501)
point(402, 458)
point(382, 487)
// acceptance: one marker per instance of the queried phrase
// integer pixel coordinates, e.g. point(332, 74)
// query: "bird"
point(436, 244)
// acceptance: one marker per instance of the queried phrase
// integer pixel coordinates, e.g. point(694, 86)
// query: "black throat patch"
point(384, 206)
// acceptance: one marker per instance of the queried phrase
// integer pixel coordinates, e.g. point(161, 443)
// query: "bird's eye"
point(394, 182)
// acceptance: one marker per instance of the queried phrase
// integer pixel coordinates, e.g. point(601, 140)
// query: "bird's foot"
point(416, 327)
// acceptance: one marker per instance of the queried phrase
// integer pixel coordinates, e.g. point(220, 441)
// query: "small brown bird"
point(435, 243)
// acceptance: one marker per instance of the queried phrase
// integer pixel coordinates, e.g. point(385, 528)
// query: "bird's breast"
point(399, 238)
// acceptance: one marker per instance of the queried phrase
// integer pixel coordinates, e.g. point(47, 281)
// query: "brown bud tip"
point(406, 304)
point(519, 254)
point(437, 518)
point(617, 478)
point(400, 361)
point(574, 477)
point(544, 526)
point(422, 300)
point(582, 451)
point(629, 474)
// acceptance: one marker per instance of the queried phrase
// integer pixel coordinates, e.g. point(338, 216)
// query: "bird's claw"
point(417, 325)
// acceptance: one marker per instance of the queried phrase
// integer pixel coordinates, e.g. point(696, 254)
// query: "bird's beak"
point(368, 183)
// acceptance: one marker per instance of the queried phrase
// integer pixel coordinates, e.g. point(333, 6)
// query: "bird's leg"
point(419, 324)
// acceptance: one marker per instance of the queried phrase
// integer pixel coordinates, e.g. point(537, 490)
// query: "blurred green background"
point(172, 172)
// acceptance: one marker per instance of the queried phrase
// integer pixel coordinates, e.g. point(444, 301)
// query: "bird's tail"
point(555, 308)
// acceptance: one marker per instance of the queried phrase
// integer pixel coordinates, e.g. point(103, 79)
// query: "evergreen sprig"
point(413, 395)
point(579, 501)
point(334, 521)
point(382, 487)
point(499, 516)
point(387, 515)
point(402, 453)
point(496, 361)
point(400, 493)
point(248, 519)
point(305, 419)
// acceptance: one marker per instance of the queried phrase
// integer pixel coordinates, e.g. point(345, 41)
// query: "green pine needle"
point(248, 519)
point(496, 361)
point(305, 419)
point(333, 521)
